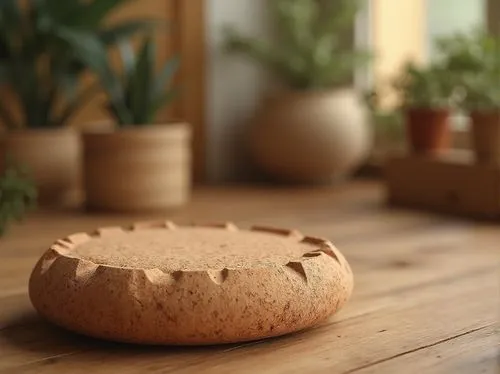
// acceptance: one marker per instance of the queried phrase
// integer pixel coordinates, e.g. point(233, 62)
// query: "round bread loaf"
point(156, 283)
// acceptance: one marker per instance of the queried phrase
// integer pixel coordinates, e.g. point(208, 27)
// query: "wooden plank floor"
point(426, 298)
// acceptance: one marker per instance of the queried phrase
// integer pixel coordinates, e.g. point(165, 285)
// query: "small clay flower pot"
point(143, 168)
point(428, 130)
point(50, 156)
point(486, 136)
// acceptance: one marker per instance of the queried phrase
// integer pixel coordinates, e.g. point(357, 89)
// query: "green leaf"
point(86, 46)
point(166, 75)
point(128, 59)
point(93, 53)
point(142, 81)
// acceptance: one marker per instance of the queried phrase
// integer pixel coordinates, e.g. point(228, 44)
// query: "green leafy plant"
point(430, 86)
point(17, 196)
point(310, 49)
point(473, 59)
point(45, 47)
point(482, 92)
point(137, 91)
point(471, 51)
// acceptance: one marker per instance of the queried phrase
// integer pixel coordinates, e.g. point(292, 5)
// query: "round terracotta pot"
point(311, 137)
point(51, 157)
point(486, 136)
point(138, 168)
point(428, 129)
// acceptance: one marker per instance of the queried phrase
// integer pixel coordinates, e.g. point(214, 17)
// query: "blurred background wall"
point(234, 87)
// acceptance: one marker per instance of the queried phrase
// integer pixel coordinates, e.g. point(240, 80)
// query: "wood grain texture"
point(425, 298)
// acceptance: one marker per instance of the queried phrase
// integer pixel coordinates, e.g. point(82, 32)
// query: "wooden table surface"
point(426, 296)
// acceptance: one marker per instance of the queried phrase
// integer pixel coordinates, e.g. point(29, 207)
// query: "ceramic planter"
point(137, 168)
point(51, 156)
point(428, 129)
point(486, 136)
point(311, 137)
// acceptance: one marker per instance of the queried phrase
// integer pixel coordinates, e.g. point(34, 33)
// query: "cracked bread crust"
point(156, 283)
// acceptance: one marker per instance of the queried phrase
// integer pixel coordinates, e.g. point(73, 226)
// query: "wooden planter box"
point(450, 183)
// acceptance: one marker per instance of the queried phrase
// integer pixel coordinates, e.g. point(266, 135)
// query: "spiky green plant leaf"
point(145, 91)
point(142, 80)
point(166, 75)
point(128, 60)
point(47, 46)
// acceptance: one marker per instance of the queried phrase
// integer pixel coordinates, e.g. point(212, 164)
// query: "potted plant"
point(474, 58)
point(427, 98)
point(44, 47)
point(137, 164)
point(315, 126)
point(17, 195)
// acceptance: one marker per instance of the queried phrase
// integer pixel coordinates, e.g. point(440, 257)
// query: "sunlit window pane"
point(446, 17)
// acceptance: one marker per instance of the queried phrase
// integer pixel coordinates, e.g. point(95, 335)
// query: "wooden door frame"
point(189, 44)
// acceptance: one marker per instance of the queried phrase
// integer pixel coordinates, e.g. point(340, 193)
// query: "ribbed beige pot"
point(51, 156)
point(311, 137)
point(137, 169)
